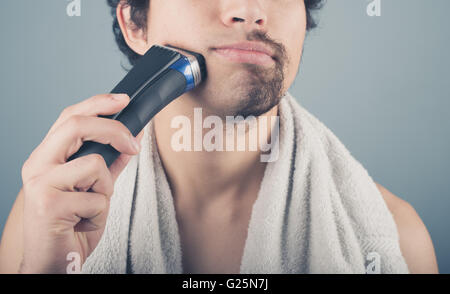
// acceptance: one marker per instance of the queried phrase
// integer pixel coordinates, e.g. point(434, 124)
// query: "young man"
point(253, 51)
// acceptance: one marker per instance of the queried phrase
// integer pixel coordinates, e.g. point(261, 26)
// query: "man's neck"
point(201, 178)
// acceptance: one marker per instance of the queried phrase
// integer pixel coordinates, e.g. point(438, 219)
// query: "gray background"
point(379, 83)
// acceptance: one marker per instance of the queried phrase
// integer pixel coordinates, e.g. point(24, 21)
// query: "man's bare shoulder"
point(415, 241)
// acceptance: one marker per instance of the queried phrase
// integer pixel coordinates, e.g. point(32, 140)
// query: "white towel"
point(317, 211)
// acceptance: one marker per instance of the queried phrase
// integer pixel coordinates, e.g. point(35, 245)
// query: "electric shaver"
point(160, 76)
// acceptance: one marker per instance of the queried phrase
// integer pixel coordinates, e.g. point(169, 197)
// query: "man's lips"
point(246, 52)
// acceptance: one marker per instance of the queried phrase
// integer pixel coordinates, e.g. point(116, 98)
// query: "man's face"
point(238, 83)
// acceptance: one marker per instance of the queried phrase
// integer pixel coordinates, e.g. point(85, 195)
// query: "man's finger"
point(121, 162)
point(104, 104)
point(68, 138)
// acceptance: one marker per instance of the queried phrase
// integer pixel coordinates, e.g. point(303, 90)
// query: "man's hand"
point(59, 215)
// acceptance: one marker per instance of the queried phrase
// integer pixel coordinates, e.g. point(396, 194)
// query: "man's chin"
point(248, 92)
point(254, 102)
point(260, 96)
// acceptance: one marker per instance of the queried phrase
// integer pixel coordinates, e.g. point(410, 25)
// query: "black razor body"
point(151, 85)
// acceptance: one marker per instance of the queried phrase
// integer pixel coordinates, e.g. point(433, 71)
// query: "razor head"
point(156, 60)
point(149, 66)
point(197, 61)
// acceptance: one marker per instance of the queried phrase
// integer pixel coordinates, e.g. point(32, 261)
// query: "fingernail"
point(120, 97)
point(135, 144)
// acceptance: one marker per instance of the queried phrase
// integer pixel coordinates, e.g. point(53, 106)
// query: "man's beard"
point(263, 91)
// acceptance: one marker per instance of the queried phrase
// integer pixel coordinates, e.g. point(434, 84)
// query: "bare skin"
point(211, 189)
point(415, 241)
point(213, 250)
point(54, 214)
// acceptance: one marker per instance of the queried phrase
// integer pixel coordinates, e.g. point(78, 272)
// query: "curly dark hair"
point(138, 15)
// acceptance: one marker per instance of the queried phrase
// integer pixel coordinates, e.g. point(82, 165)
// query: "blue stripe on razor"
point(184, 66)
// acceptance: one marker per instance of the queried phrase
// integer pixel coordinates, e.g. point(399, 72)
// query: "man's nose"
point(249, 14)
